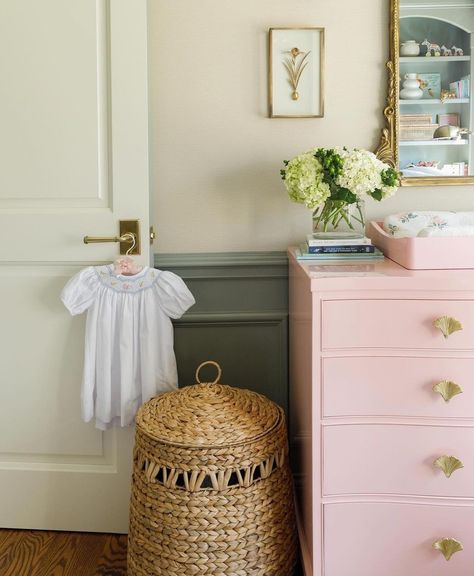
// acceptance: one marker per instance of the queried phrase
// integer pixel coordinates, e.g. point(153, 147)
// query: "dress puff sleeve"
point(173, 294)
point(80, 292)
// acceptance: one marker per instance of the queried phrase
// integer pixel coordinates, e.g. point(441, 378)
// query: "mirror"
point(429, 116)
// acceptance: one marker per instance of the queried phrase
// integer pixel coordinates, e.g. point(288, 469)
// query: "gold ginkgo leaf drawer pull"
point(448, 547)
point(447, 389)
point(448, 464)
point(447, 325)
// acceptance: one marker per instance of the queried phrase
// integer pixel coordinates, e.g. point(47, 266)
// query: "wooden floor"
point(38, 553)
point(41, 553)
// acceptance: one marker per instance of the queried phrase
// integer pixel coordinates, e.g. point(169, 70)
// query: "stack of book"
point(461, 87)
point(338, 246)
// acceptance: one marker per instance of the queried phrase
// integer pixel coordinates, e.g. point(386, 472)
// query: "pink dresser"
point(384, 464)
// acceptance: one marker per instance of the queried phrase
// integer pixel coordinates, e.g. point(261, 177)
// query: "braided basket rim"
point(279, 421)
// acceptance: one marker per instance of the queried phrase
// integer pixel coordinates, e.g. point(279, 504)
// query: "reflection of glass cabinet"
point(445, 78)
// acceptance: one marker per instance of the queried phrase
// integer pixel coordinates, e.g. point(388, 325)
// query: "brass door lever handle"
point(129, 238)
point(99, 239)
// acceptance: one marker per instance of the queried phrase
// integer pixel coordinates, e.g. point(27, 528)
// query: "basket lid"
point(208, 414)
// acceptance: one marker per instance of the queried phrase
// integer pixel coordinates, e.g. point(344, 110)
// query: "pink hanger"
point(126, 265)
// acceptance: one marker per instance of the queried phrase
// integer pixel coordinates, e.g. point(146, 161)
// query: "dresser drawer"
point(396, 459)
point(395, 324)
point(390, 539)
point(396, 386)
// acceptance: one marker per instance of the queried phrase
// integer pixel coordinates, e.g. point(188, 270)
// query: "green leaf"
point(343, 195)
point(377, 194)
point(390, 177)
point(283, 174)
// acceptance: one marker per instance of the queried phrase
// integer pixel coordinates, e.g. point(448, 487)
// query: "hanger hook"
point(129, 236)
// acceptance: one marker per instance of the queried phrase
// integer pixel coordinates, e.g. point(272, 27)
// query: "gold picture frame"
point(296, 72)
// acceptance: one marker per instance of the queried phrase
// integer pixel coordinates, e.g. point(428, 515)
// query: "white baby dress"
point(129, 355)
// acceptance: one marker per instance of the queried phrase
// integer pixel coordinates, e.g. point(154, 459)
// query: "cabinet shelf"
point(433, 142)
point(433, 101)
point(434, 59)
point(440, 76)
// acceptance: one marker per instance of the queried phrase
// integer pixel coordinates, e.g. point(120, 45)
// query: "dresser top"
point(383, 274)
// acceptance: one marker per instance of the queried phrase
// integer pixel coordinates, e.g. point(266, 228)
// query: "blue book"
point(342, 249)
point(303, 254)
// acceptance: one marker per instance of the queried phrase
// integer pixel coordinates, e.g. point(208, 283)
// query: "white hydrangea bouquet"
point(330, 181)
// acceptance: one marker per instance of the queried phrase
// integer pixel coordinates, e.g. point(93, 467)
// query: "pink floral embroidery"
point(122, 283)
point(438, 222)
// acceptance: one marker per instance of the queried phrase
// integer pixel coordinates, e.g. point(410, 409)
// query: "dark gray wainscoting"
point(240, 319)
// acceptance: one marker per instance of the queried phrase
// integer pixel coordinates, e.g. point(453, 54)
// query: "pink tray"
point(424, 253)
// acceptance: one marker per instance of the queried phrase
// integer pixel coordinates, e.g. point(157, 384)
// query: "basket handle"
point(219, 371)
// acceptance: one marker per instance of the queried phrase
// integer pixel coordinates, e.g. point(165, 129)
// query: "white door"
point(74, 161)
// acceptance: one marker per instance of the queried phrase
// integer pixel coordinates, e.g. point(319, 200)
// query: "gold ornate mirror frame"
point(387, 149)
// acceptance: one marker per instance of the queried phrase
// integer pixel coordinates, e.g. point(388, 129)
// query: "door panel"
point(38, 330)
point(54, 103)
point(74, 117)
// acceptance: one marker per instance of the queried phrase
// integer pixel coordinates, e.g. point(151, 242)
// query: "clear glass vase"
point(338, 216)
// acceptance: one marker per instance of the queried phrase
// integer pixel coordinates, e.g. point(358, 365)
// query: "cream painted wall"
point(215, 154)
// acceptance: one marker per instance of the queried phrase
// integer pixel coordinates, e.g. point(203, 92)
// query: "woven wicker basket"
point(422, 132)
point(415, 119)
point(212, 491)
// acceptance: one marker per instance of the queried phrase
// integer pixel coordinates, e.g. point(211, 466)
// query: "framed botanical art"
point(296, 73)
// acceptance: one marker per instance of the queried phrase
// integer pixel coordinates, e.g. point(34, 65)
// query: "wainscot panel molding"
point(240, 319)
